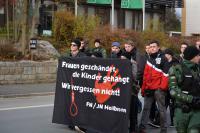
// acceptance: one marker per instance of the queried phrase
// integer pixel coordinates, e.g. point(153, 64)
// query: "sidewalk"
point(20, 90)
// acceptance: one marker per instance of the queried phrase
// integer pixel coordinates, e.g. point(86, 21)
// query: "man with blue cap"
point(115, 50)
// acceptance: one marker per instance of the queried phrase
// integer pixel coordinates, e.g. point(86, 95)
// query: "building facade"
point(128, 16)
point(191, 18)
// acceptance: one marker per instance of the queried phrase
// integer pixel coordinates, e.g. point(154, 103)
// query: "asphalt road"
point(14, 90)
point(33, 115)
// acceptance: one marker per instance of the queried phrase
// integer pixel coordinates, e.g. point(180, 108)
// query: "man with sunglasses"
point(74, 49)
point(75, 52)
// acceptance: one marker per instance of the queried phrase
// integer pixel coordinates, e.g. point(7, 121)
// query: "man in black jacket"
point(74, 49)
point(155, 85)
point(172, 61)
point(84, 47)
point(75, 53)
point(130, 52)
point(153, 117)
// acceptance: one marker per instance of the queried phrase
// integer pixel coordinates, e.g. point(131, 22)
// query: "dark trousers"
point(153, 112)
point(159, 96)
point(133, 113)
point(169, 101)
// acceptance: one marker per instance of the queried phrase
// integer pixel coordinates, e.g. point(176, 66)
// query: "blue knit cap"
point(117, 44)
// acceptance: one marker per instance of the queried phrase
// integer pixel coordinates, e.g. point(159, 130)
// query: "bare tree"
point(24, 28)
point(18, 19)
point(172, 23)
point(35, 5)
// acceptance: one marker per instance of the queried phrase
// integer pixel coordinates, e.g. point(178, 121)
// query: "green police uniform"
point(184, 84)
point(100, 50)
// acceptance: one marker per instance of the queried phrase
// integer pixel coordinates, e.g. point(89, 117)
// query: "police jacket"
point(155, 73)
point(184, 81)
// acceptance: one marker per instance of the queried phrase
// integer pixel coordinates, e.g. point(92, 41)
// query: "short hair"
point(154, 41)
point(77, 42)
point(97, 40)
point(147, 44)
point(130, 42)
point(185, 43)
point(86, 41)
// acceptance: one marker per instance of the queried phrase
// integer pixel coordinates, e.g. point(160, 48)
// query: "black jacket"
point(114, 55)
point(139, 60)
point(80, 54)
point(141, 65)
point(173, 62)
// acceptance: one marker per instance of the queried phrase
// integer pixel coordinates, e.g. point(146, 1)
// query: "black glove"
point(196, 102)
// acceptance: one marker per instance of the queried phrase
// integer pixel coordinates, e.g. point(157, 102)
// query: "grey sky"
point(178, 12)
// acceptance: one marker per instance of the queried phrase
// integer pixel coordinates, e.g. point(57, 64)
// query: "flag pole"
point(76, 7)
point(113, 9)
point(143, 11)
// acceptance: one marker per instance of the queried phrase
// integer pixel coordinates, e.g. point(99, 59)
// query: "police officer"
point(184, 83)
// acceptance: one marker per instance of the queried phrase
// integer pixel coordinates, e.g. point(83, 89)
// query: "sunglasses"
point(73, 44)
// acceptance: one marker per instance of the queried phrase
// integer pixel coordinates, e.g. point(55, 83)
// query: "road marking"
point(26, 107)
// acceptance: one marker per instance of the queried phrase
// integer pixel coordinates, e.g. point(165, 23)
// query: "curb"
point(27, 95)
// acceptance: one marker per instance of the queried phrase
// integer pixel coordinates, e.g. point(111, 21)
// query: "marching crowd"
point(165, 79)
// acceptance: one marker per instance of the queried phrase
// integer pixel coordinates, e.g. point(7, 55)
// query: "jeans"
point(159, 96)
